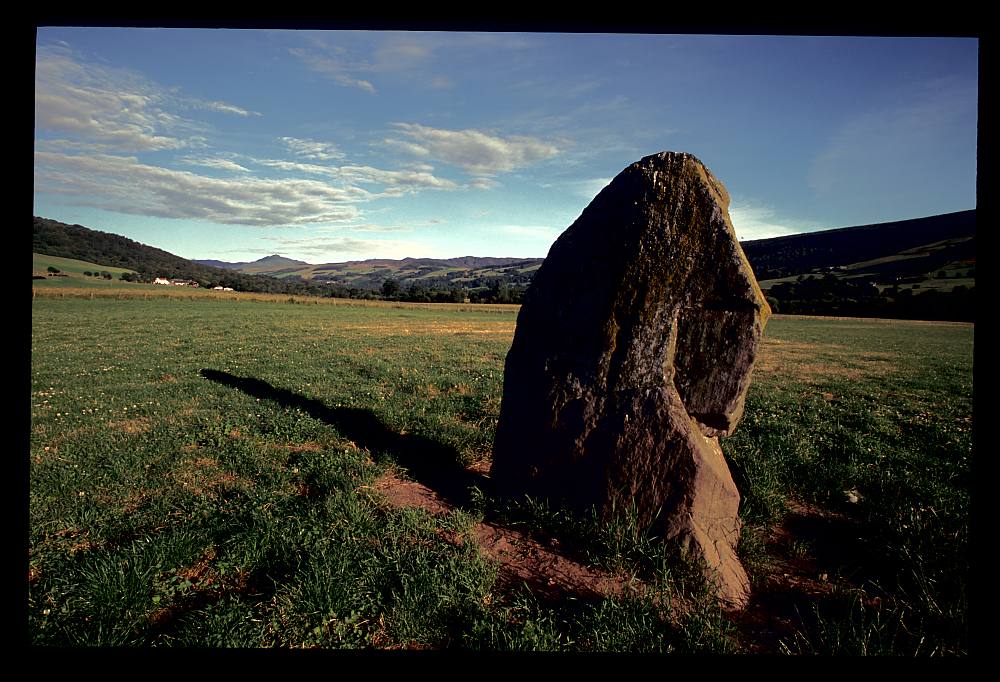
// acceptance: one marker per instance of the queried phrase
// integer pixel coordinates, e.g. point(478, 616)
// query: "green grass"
point(202, 474)
point(72, 267)
point(890, 419)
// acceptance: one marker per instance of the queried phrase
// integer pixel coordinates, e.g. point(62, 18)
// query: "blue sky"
point(334, 145)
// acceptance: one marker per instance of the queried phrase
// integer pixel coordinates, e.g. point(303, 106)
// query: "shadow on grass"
point(434, 464)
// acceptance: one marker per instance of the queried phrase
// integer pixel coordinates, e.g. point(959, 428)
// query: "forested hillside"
point(75, 241)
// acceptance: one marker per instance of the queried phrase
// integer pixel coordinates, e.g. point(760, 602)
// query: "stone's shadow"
point(434, 464)
point(837, 546)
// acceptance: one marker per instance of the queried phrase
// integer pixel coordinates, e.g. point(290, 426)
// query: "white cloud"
point(334, 68)
point(395, 183)
point(483, 183)
point(124, 185)
point(224, 107)
point(220, 164)
point(110, 109)
point(362, 227)
point(313, 150)
point(414, 55)
point(476, 152)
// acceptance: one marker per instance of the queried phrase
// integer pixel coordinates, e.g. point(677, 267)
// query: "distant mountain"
point(435, 273)
point(274, 262)
point(221, 264)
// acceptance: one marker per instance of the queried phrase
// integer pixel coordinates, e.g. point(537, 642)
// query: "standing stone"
point(632, 354)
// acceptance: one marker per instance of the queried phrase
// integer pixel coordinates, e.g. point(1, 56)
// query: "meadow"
point(211, 470)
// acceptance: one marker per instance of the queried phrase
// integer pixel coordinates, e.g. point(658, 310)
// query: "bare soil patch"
point(802, 550)
point(544, 566)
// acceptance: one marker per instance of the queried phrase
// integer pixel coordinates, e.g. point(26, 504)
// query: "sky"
point(330, 146)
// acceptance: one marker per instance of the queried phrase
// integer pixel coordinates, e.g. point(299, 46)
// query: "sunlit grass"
point(169, 508)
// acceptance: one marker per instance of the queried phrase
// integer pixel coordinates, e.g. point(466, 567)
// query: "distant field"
point(71, 288)
point(205, 471)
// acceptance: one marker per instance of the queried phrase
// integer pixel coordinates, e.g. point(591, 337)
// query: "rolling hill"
point(902, 248)
point(937, 239)
point(923, 268)
point(466, 272)
point(53, 238)
point(72, 267)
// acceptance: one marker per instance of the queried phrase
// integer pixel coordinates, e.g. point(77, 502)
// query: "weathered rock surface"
point(632, 354)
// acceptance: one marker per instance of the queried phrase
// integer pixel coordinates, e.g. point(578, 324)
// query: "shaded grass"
point(201, 475)
point(889, 453)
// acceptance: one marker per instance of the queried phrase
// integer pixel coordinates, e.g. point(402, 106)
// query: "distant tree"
point(390, 288)
point(88, 273)
point(53, 270)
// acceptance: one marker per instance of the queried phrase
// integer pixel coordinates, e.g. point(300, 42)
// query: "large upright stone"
point(632, 354)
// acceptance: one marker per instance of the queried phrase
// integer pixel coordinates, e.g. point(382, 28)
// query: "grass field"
point(72, 267)
point(205, 471)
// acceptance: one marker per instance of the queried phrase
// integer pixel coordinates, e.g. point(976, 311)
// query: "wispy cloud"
point(111, 109)
point(124, 185)
point(476, 152)
point(483, 183)
point(336, 69)
point(311, 149)
point(219, 164)
point(418, 56)
point(393, 182)
point(221, 107)
point(928, 122)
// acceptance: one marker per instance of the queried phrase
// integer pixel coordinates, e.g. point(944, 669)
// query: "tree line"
point(831, 295)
